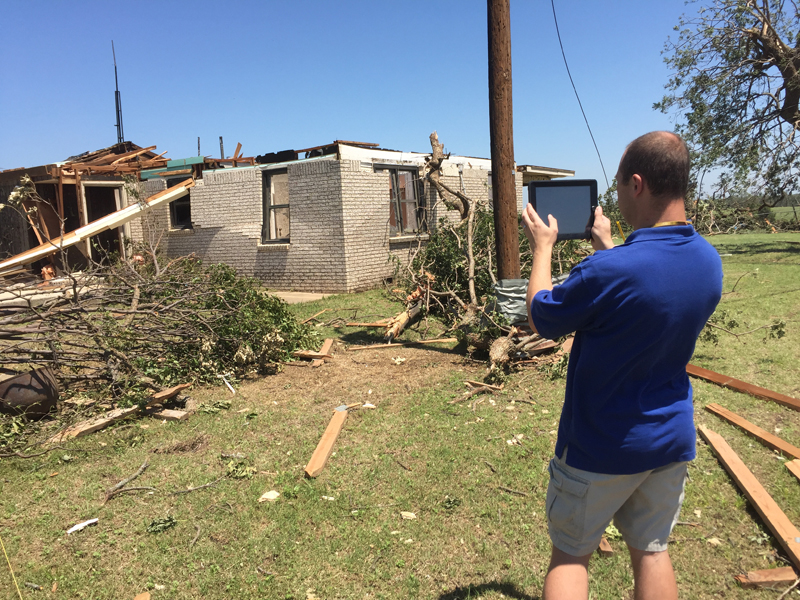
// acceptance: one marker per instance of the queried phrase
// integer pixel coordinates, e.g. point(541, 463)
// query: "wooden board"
point(310, 354)
point(744, 387)
point(605, 548)
point(794, 467)
point(767, 578)
point(101, 422)
point(763, 436)
point(326, 442)
point(166, 414)
point(376, 346)
point(772, 515)
point(326, 346)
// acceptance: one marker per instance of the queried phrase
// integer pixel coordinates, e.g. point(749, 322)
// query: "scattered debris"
point(794, 467)
point(782, 528)
point(510, 491)
point(714, 541)
point(199, 487)
point(409, 516)
point(741, 386)
point(33, 394)
point(269, 496)
point(766, 578)
point(325, 445)
point(214, 407)
point(80, 526)
point(190, 445)
point(224, 377)
point(161, 524)
point(763, 436)
point(368, 405)
point(605, 549)
point(377, 346)
point(86, 427)
point(33, 586)
point(312, 317)
point(143, 596)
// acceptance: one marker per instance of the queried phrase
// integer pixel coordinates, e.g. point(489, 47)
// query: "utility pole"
point(501, 129)
point(221, 148)
point(198, 145)
point(117, 99)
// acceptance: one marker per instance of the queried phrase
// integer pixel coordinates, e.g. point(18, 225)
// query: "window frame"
point(267, 207)
point(395, 203)
point(187, 199)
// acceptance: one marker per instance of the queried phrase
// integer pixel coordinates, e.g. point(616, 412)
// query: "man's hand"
point(539, 235)
point(601, 231)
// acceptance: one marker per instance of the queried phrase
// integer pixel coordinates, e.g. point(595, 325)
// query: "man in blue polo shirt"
point(627, 431)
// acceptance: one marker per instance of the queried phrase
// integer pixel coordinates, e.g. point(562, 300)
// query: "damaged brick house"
point(334, 218)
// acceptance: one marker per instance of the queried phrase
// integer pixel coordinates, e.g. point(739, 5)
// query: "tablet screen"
point(572, 203)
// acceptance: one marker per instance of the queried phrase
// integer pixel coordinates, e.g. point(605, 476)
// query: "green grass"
point(414, 452)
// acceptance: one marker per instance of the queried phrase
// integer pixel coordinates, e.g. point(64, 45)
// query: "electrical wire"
point(552, 3)
point(10, 569)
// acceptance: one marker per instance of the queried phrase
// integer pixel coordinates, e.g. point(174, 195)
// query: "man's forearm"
point(541, 276)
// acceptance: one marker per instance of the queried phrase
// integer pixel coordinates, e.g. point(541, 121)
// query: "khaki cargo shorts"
point(644, 506)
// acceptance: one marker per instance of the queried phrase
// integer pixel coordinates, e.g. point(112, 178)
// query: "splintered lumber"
point(101, 422)
point(375, 324)
point(167, 414)
point(326, 346)
point(110, 221)
point(312, 317)
point(376, 346)
point(326, 442)
point(766, 578)
point(777, 522)
point(396, 326)
point(794, 467)
point(605, 548)
point(763, 436)
point(310, 354)
point(742, 386)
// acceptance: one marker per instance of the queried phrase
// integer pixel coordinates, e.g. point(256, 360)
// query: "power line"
point(552, 3)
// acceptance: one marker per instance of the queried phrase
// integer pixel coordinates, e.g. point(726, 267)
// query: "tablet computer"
point(571, 202)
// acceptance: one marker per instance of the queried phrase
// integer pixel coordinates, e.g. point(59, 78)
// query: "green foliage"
point(445, 256)
point(237, 469)
point(214, 407)
point(237, 326)
point(161, 524)
point(736, 87)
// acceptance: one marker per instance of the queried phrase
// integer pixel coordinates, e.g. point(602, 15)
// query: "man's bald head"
point(661, 159)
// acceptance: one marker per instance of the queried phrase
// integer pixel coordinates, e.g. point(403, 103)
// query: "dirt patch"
point(191, 445)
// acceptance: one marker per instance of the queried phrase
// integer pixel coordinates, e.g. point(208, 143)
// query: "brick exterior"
point(339, 223)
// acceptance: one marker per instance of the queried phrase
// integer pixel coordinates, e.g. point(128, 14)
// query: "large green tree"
point(736, 87)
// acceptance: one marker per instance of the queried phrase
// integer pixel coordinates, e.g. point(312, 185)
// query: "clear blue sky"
point(279, 75)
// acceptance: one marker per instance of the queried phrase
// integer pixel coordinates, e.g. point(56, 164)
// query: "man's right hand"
point(601, 231)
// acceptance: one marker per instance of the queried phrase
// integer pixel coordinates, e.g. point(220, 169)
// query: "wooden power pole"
point(501, 129)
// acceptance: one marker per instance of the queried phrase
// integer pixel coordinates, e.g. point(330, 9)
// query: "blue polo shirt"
point(637, 310)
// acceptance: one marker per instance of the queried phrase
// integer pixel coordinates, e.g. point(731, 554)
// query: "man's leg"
point(567, 577)
point(653, 576)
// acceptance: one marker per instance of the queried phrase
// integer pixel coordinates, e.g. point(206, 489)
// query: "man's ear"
point(638, 184)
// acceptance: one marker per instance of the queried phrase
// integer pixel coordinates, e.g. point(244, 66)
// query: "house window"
point(275, 202)
point(180, 210)
point(406, 200)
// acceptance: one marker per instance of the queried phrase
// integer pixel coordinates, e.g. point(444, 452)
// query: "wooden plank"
point(174, 173)
point(166, 414)
point(767, 578)
point(129, 155)
point(312, 317)
point(238, 149)
point(377, 346)
point(326, 346)
point(605, 548)
point(309, 354)
point(772, 515)
point(763, 436)
point(325, 446)
point(96, 424)
point(375, 324)
point(742, 386)
point(794, 467)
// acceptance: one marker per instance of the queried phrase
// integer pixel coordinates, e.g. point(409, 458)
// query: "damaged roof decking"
point(368, 151)
point(110, 221)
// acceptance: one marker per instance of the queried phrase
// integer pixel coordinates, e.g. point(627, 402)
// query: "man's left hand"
point(539, 235)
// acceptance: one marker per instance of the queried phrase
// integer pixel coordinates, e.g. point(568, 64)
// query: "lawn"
point(477, 494)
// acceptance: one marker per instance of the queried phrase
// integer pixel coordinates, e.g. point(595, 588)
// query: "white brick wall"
point(339, 223)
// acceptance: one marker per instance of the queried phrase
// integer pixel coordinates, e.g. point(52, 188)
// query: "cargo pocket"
point(566, 502)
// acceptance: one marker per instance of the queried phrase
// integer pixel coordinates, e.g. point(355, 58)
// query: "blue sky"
point(281, 75)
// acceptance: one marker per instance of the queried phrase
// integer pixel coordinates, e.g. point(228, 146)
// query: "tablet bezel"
point(590, 183)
